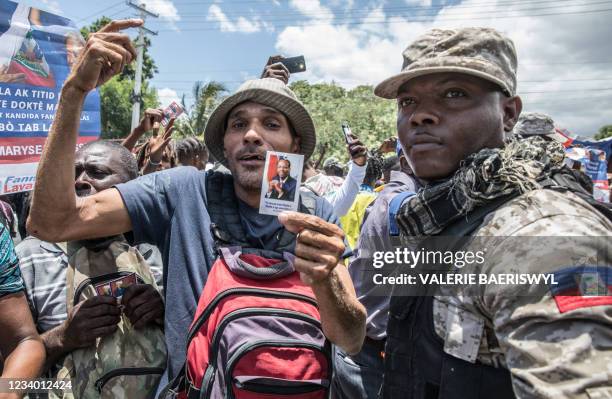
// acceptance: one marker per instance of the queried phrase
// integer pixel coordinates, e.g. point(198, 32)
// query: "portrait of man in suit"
point(282, 186)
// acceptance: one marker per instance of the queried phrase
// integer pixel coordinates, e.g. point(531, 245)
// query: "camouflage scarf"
point(482, 177)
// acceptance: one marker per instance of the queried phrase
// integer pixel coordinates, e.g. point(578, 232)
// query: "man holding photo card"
point(172, 208)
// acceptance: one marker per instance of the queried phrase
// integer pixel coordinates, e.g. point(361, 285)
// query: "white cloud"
point(165, 9)
point(242, 24)
point(312, 9)
point(560, 55)
point(377, 14)
point(246, 26)
point(419, 3)
point(52, 6)
point(167, 95)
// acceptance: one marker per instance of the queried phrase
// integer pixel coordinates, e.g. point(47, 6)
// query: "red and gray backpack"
point(257, 330)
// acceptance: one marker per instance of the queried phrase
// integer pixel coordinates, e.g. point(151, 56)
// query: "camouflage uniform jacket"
point(549, 353)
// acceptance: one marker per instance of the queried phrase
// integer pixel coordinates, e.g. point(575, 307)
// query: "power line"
point(565, 91)
point(352, 81)
point(558, 100)
point(565, 80)
point(100, 12)
point(520, 93)
point(464, 18)
point(124, 10)
point(472, 5)
point(214, 2)
point(404, 8)
point(252, 69)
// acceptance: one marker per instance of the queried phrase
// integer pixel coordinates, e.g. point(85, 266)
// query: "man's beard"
point(248, 179)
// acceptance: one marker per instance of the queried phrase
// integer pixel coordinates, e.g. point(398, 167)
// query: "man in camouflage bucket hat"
point(170, 209)
point(457, 102)
point(537, 124)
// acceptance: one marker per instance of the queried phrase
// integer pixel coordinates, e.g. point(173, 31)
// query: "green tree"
point(206, 96)
point(116, 107)
point(604, 132)
point(371, 118)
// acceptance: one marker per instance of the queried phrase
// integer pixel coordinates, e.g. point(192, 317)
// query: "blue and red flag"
point(582, 287)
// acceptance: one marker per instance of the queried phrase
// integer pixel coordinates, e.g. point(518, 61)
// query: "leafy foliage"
point(206, 97)
point(604, 132)
point(116, 107)
point(371, 118)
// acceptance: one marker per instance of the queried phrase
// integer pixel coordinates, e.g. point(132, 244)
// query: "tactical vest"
point(226, 227)
point(416, 365)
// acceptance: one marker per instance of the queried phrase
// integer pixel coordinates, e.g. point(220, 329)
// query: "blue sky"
point(565, 55)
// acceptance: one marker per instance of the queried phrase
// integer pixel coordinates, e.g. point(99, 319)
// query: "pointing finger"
point(121, 24)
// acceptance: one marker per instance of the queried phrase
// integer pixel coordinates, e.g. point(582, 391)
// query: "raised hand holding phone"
point(355, 147)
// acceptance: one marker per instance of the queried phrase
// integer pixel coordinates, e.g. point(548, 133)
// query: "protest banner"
point(592, 162)
point(37, 50)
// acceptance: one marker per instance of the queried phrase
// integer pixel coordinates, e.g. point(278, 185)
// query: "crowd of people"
point(146, 270)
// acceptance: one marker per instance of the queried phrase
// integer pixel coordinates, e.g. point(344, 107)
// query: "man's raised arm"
point(57, 214)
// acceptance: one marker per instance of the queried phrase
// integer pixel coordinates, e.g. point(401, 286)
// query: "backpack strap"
point(222, 206)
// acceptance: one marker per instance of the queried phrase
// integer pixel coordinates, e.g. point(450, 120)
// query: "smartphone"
point(294, 64)
point(346, 131)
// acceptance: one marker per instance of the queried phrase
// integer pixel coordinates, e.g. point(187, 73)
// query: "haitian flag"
point(30, 61)
point(582, 287)
point(37, 50)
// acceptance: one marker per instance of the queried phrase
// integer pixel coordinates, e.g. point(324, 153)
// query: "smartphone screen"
point(346, 131)
point(294, 64)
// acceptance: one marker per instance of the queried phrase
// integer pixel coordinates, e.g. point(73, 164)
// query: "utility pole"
point(136, 95)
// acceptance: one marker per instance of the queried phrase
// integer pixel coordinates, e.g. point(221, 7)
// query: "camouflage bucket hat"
point(534, 124)
point(538, 124)
point(481, 52)
point(270, 92)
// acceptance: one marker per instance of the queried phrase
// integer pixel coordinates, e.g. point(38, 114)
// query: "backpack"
point(128, 363)
point(257, 330)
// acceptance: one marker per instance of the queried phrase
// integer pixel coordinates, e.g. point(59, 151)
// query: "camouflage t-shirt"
point(555, 343)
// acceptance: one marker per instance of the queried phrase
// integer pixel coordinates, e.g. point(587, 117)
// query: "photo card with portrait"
point(281, 182)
